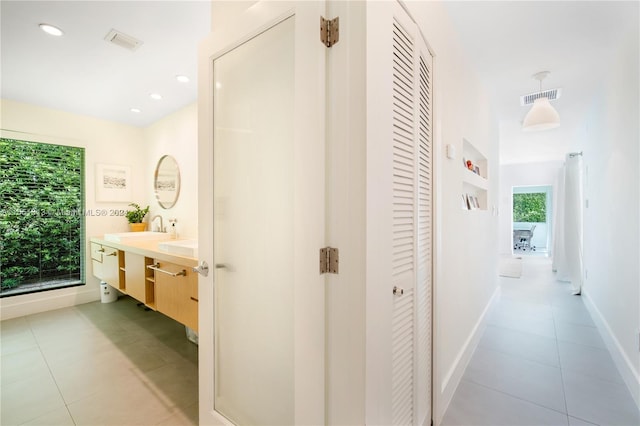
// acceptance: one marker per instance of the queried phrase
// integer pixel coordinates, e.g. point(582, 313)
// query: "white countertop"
point(149, 248)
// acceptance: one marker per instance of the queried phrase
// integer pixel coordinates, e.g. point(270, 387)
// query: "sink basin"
point(180, 247)
point(123, 237)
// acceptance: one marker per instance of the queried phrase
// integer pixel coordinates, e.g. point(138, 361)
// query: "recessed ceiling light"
point(155, 96)
point(136, 110)
point(50, 29)
point(218, 85)
point(182, 78)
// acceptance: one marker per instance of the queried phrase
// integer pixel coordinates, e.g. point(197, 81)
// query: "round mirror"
point(166, 181)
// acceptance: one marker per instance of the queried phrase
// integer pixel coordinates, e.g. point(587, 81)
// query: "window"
point(530, 207)
point(41, 217)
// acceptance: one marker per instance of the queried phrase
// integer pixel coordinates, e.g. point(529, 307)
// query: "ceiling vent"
point(123, 40)
point(551, 94)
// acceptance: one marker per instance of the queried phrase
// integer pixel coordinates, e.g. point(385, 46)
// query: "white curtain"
point(567, 247)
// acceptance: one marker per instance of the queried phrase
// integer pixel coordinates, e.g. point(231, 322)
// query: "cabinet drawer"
point(106, 264)
point(96, 252)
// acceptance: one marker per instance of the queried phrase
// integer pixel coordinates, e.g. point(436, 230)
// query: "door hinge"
point(329, 31)
point(329, 260)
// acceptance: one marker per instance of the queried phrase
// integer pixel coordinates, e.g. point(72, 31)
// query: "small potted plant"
point(136, 216)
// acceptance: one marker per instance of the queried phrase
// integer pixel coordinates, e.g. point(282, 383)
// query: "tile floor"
point(97, 364)
point(541, 361)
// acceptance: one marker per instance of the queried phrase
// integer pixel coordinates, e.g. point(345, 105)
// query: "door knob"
point(202, 269)
point(397, 291)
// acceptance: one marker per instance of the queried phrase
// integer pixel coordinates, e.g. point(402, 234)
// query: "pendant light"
point(542, 115)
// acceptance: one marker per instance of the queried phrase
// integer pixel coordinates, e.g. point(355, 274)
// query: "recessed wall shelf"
point(474, 178)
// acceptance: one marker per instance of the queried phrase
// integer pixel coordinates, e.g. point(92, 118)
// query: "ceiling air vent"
point(552, 95)
point(123, 40)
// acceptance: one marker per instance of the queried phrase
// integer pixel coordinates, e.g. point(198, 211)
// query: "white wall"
point(529, 174)
point(104, 142)
point(223, 11)
point(611, 222)
point(465, 241)
point(175, 135)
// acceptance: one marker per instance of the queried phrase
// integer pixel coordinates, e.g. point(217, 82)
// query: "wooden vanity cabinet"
point(169, 288)
point(135, 276)
point(106, 262)
point(176, 293)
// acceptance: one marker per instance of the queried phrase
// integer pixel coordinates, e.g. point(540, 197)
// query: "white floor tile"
point(579, 422)
point(542, 349)
point(87, 376)
point(580, 334)
point(477, 405)
point(512, 321)
point(524, 310)
point(112, 364)
point(599, 401)
point(59, 417)
point(573, 315)
point(186, 416)
point(28, 399)
point(176, 382)
point(589, 361)
point(513, 375)
point(23, 365)
point(129, 402)
point(16, 336)
point(526, 345)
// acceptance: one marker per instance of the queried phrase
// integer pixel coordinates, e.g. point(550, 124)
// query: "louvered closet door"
point(411, 226)
point(403, 226)
point(424, 283)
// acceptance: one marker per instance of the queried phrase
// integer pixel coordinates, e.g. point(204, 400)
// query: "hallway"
point(541, 361)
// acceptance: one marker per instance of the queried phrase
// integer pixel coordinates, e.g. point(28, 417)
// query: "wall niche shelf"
point(475, 180)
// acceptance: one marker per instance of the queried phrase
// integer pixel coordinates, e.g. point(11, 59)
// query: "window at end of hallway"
point(530, 207)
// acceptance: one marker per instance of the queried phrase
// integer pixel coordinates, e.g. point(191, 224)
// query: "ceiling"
point(509, 41)
point(82, 73)
point(506, 41)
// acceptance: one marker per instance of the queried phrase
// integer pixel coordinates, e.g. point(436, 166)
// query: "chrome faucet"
point(158, 217)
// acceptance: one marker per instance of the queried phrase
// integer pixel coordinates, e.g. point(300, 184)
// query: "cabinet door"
point(135, 276)
point(96, 260)
point(174, 293)
point(110, 266)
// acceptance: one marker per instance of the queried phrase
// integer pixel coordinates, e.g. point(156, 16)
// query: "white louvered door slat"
point(411, 334)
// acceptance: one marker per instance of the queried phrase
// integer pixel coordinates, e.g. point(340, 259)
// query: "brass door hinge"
point(329, 31)
point(329, 260)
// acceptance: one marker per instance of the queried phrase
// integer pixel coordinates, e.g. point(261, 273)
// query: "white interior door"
point(400, 218)
point(261, 217)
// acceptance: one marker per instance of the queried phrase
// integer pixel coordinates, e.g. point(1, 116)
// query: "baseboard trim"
point(621, 360)
point(28, 304)
point(454, 375)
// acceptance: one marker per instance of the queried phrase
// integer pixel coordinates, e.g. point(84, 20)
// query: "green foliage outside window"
point(41, 213)
point(530, 207)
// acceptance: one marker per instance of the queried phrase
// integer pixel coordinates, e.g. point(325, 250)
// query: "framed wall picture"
point(113, 183)
point(470, 202)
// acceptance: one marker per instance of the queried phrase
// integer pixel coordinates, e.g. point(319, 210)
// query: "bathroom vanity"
point(152, 270)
